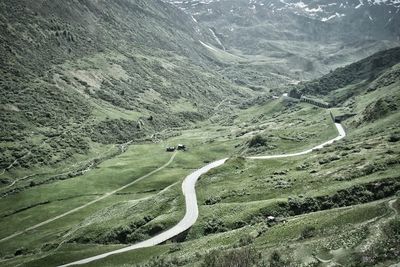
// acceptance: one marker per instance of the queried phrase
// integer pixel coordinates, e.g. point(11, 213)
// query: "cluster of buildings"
point(179, 147)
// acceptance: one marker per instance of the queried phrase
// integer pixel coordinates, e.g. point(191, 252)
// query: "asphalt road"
point(192, 211)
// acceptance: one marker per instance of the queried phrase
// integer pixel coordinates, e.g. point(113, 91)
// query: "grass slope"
point(78, 77)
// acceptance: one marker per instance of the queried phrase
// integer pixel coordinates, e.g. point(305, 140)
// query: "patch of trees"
point(357, 194)
point(71, 174)
point(38, 105)
point(133, 232)
point(307, 232)
point(372, 167)
point(50, 151)
point(253, 101)
point(163, 262)
point(118, 93)
point(189, 116)
point(353, 195)
point(257, 144)
point(113, 98)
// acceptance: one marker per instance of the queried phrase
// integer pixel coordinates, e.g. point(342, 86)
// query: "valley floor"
point(133, 198)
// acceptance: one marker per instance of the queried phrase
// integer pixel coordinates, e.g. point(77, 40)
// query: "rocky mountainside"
point(295, 40)
point(366, 19)
point(74, 73)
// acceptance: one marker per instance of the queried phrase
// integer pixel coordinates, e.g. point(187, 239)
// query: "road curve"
point(341, 135)
point(192, 211)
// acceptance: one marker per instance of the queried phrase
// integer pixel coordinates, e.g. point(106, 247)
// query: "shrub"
point(243, 257)
point(21, 251)
point(214, 225)
point(240, 223)
point(155, 229)
point(275, 260)
point(394, 138)
point(257, 141)
point(136, 236)
point(212, 200)
point(246, 240)
point(307, 232)
point(175, 248)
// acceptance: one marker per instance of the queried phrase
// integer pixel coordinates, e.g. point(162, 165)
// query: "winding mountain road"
point(192, 211)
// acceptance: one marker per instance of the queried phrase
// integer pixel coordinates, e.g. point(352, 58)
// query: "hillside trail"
point(391, 203)
point(375, 229)
point(106, 195)
point(192, 212)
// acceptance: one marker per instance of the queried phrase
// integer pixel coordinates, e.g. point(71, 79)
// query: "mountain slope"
point(366, 70)
point(73, 74)
point(290, 41)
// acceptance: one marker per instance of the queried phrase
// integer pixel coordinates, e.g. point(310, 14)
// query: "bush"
point(162, 262)
point(275, 260)
point(155, 229)
point(212, 200)
point(214, 225)
point(257, 141)
point(394, 138)
point(21, 251)
point(307, 232)
point(246, 240)
point(243, 257)
point(136, 236)
point(175, 248)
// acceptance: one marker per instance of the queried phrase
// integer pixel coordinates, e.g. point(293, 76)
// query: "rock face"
point(300, 39)
point(365, 19)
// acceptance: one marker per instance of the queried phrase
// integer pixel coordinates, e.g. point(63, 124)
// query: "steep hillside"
point(360, 77)
point(290, 41)
point(78, 73)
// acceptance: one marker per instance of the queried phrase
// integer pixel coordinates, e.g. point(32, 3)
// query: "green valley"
point(115, 117)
